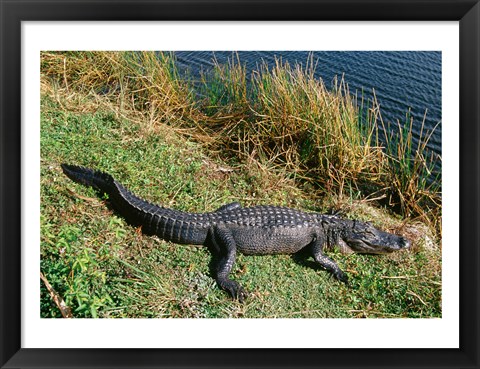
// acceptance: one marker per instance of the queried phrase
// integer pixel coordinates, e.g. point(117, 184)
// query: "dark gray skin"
point(258, 230)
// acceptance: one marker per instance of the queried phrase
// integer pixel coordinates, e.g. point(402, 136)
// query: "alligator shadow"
point(304, 258)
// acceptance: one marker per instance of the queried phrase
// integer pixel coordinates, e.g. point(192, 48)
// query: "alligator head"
point(364, 238)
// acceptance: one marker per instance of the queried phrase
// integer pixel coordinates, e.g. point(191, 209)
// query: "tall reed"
point(284, 113)
point(414, 181)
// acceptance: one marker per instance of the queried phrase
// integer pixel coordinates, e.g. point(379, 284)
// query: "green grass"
point(103, 267)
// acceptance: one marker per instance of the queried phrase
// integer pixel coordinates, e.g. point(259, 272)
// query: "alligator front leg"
point(225, 246)
point(326, 262)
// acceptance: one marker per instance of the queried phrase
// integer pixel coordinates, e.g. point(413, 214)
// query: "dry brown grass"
point(142, 87)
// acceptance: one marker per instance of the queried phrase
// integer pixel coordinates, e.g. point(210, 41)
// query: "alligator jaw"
point(380, 243)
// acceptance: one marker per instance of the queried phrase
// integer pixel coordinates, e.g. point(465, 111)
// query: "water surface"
point(403, 80)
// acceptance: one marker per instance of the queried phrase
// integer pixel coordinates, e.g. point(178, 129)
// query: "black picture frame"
point(12, 355)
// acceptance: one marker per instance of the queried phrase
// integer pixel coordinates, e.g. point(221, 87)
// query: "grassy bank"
point(280, 138)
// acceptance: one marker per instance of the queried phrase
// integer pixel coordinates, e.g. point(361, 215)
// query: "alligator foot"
point(327, 263)
point(234, 289)
point(332, 267)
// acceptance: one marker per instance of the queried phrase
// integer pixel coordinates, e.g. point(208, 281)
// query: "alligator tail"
point(168, 224)
point(98, 180)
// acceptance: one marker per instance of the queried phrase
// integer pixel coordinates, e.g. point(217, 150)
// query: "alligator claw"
point(342, 277)
point(241, 295)
point(235, 290)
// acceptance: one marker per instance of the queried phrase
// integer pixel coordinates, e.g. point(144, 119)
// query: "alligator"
point(257, 230)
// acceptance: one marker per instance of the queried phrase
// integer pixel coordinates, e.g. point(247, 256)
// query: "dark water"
point(402, 80)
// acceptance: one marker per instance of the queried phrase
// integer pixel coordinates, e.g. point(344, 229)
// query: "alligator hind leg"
point(224, 245)
point(326, 262)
